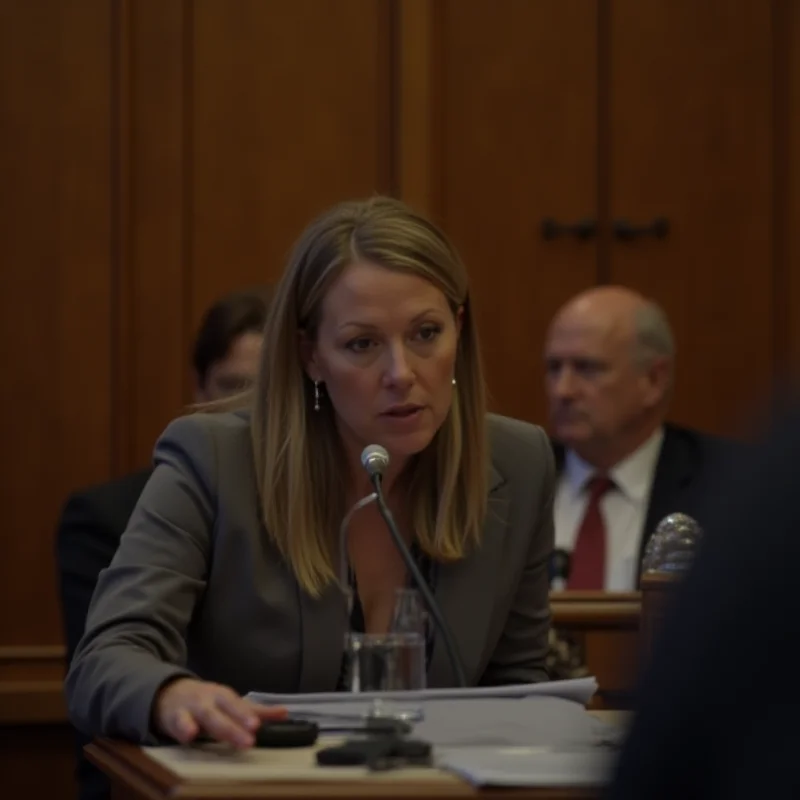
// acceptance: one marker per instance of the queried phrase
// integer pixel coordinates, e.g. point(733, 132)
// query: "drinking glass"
point(390, 662)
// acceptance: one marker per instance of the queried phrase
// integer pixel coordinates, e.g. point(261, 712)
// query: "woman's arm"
point(521, 652)
point(135, 632)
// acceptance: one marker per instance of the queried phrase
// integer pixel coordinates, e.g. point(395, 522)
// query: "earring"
point(454, 381)
point(316, 395)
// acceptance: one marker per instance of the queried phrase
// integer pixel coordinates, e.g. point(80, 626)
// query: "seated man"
point(225, 359)
point(609, 371)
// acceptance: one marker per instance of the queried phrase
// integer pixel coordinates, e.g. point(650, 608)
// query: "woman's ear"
point(459, 318)
point(308, 355)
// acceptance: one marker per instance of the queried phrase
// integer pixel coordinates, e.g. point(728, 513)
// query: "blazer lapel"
point(465, 591)
point(324, 623)
point(674, 473)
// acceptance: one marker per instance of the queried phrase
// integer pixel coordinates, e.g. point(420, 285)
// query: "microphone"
point(375, 460)
point(559, 569)
point(673, 544)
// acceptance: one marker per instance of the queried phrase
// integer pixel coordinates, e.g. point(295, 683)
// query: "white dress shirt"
point(624, 509)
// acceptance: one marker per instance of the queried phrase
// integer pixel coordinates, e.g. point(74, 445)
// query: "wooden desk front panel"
point(37, 761)
point(607, 627)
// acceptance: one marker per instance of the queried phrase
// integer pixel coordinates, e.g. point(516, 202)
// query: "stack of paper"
point(531, 735)
point(528, 766)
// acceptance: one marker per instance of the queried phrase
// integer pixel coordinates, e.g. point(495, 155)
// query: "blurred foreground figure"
point(717, 711)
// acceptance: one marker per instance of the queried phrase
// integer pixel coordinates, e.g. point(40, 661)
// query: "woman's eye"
point(360, 345)
point(428, 333)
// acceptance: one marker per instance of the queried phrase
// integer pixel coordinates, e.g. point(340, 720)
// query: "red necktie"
point(588, 567)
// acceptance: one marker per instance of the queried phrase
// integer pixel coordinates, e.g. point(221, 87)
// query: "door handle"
point(582, 229)
point(625, 230)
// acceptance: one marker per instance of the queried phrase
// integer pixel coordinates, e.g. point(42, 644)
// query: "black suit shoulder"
point(113, 500)
point(701, 444)
point(88, 534)
point(689, 456)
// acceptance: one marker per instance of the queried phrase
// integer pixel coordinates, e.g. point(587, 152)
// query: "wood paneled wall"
point(156, 153)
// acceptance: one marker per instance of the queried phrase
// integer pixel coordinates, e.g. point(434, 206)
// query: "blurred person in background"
point(609, 358)
point(716, 716)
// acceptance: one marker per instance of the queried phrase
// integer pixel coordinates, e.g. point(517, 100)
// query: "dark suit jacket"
point(718, 710)
point(88, 534)
point(198, 587)
point(688, 462)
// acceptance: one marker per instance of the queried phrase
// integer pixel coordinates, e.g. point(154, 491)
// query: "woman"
point(224, 581)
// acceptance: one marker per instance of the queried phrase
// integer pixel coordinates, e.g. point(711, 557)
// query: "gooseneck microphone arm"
point(421, 583)
point(344, 561)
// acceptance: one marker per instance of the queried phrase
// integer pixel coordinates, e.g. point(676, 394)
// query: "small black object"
point(559, 565)
point(583, 229)
point(287, 733)
point(658, 229)
point(376, 753)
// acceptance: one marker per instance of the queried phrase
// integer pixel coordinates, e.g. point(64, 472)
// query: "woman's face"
point(385, 351)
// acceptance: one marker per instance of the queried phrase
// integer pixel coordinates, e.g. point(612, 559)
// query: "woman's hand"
point(187, 707)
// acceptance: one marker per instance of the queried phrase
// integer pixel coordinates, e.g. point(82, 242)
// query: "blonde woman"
point(225, 579)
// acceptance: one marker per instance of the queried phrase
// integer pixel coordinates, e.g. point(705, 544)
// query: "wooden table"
point(135, 774)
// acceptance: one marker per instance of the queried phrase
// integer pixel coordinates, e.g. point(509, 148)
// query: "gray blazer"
point(196, 587)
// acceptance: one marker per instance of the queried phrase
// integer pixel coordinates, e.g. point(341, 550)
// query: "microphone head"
point(673, 544)
point(375, 459)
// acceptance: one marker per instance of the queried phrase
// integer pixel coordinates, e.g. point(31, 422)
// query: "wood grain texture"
point(692, 140)
point(516, 98)
point(788, 166)
point(151, 262)
point(291, 113)
point(55, 303)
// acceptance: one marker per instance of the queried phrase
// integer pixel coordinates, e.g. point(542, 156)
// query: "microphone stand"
point(419, 580)
point(344, 561)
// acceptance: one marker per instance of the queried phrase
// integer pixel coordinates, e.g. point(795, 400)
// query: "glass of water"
point(385, 662)
point(393, 661)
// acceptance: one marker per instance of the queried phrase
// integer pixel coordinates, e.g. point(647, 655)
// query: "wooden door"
point(154, 156)
point(691, 132)
point(246, 119)
point(56, 298)
point(788, 226)
point(515, 128)
point(291, 113)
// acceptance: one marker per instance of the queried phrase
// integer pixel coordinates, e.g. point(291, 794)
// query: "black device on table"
point(292, 732)
point(381, 743)
point(379, 752)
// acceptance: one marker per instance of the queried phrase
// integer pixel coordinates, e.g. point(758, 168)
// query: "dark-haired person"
point(224, 360)
point(228, 344)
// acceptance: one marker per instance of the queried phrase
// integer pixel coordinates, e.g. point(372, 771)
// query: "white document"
point(529, 766)
point(579, 690)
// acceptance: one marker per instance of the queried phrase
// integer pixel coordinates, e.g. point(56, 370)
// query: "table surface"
point(132, 768)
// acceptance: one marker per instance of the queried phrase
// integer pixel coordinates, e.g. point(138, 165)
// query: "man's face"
point(597, 393)
point(236, 371)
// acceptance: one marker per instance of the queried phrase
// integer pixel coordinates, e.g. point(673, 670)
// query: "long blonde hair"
point(298, 452)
